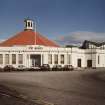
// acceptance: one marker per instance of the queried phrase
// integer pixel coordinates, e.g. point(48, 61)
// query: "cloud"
point(76, 38)
point(1, 40)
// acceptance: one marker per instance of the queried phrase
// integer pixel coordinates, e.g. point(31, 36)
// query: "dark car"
point(1, 69)
point(45, 67)
point(68, 68)
point(57, 68)
point(9, 68)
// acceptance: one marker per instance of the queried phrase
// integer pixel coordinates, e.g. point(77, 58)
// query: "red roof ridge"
point(28, 37)
point(46, 39)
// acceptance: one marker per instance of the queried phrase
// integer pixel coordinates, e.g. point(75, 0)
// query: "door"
point(36, 60)
point(33, 62)
point(79, 62)
point(89, 63)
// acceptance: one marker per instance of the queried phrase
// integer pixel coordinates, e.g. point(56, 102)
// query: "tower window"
point(28, 24)
point(31, 24)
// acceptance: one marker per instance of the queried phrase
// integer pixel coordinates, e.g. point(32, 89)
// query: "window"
point(79, 62)
point(1, 58)
point(50, 59)
point(62, 59)
point(55, 59)
point(28, 24)
point(98, 59)
point(20, 58)
point(68, 59)
point(31, 24)
point(6, 58)
point(30, 48)
point(13, 58)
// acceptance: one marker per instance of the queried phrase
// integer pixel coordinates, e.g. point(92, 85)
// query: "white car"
point(21, 67)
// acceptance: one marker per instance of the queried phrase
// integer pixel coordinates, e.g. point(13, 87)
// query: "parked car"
point(68, 68)
point(37, 68)
point(9, 68)
point(1, 69)
point(45, 67)
point(57, 68)
point(21, 68)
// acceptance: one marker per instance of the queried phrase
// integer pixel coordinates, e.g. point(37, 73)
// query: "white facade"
point(35, 55)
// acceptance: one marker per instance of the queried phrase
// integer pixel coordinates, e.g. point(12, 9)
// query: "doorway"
point(89, 63)
point(35, 60)
point(79, 62)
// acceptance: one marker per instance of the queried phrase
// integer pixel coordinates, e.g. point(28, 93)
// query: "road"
point(85, 87)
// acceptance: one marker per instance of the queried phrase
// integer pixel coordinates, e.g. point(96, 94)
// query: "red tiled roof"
point(28, 37)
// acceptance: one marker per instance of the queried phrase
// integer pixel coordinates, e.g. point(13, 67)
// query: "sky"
point(65, 21)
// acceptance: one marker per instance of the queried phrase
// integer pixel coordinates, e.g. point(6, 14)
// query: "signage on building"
point(35, 48)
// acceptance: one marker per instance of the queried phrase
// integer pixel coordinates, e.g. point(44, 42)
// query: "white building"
point(31, 49)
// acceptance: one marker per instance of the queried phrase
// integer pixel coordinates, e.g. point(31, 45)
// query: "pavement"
point(80, 87)
point(11, 97)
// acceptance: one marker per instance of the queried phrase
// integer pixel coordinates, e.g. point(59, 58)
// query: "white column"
point(3, 60)
point(65, 59)
point(42, 59)
point(10, 59)
point(16, 60)
point(52, 59)
point(59, 59)
point(25, 60)
point(45, 58)
point(29, 61)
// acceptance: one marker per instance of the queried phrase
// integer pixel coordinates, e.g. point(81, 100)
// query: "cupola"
point(29, 24)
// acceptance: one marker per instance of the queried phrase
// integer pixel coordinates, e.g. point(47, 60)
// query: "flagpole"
point(35, 32)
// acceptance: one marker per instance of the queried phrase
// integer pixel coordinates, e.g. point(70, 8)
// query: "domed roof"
point(28, 37)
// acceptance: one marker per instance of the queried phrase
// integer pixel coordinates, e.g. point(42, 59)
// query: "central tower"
point(29, 24)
